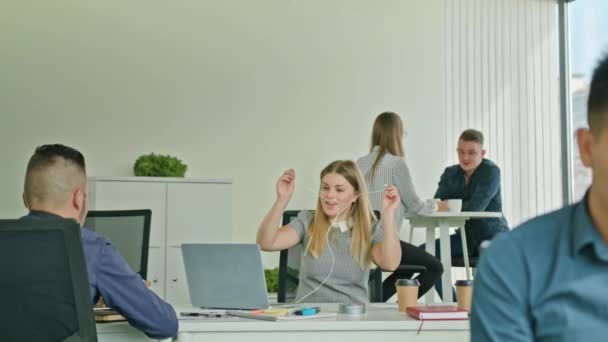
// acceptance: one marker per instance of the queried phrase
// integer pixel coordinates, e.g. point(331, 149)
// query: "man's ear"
point(78, 199)
point(585, 142)
point(483, 153)
point(27, 206)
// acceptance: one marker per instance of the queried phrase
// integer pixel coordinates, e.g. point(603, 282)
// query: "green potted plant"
point(157, 165)
point(272, 281)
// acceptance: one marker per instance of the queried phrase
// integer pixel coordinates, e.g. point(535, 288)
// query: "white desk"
point(443, 221)
point(382, 322)
point(119, 332)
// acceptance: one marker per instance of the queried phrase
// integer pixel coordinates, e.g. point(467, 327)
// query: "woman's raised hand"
point(390, 200)
point(286, 185)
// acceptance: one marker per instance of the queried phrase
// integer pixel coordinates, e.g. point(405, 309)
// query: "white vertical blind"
point(501, 77)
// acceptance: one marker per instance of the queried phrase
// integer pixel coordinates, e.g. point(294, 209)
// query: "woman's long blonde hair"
point(360, 214)
point(388, 135)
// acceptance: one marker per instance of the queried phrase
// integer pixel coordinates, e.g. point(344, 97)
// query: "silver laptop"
point(225, 276)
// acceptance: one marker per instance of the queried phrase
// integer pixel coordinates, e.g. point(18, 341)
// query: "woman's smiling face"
point(336, 195)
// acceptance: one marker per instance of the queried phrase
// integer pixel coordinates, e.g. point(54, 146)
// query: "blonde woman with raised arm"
point(341, 238)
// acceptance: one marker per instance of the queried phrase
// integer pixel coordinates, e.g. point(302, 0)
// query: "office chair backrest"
point(289, 269)
point(289, 265)
point(44, 288)
point(129, 232)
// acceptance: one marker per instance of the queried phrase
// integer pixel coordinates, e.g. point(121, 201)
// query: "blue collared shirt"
point(544, 281)
point(122, 289)
point(482, 193)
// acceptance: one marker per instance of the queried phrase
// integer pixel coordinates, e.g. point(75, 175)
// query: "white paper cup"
point(455, 205)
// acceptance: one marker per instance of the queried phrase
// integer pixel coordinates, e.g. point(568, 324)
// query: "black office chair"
point(45, 291)
point(474, 258)
point(377, 282)
point(289, 266)
point(402, 268)
point(459, 261)
point(289, 269)
point(129, 232)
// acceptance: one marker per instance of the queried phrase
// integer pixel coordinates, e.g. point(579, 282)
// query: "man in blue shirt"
point(476, 181)
point(56, 186)
point(546, 280)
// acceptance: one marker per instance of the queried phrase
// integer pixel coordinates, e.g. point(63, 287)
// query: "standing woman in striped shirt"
point(341, 238)
point(385, 165)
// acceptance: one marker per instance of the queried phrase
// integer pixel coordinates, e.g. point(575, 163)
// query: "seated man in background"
point(546, 280)
point(56, 186)
point(476, 181)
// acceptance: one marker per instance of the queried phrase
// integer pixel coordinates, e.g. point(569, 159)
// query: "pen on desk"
point(201, 314)
point(306, 311)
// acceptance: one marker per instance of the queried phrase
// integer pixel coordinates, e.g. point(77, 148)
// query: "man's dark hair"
point(472, 135)
point(45, 154)
point(41, 183)
point(597, 105)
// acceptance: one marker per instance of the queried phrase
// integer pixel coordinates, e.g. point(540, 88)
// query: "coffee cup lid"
point(407, 282)
point(464, 282)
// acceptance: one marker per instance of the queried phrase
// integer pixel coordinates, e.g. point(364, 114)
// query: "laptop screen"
point(225, 276)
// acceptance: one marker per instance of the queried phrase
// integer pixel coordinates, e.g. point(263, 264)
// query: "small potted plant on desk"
point(272, 283)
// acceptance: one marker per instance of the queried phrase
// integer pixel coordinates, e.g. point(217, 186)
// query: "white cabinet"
point(177, 285)
point(199, 212)
point(183, 211)
point(156, 270)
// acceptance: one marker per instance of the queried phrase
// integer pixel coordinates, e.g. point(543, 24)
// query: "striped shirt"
point(347, 282)
point(393, 170)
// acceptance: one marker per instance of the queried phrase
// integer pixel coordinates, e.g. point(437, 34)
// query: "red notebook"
point(437, 312)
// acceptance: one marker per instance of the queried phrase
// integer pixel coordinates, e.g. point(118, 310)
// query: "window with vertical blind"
point(588, 24)
point(502, 77)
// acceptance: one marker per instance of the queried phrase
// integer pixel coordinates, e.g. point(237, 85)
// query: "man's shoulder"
point(92, 238)
point(451, 170)
point(489, 165)
point(537, 232)
point(546, 223)
point(488, 162)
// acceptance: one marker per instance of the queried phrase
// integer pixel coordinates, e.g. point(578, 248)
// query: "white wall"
point(238, 89)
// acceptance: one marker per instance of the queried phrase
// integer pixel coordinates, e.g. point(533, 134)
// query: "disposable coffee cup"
point(455, 205)
point(436, 203)
point(464, 292)
point(407, 292)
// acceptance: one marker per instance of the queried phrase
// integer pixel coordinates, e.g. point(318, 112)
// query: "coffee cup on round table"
point(455, 205)
point(407, 293)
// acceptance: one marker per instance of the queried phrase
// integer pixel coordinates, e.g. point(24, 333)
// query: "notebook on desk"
point(437, 312)
point(278, 314)
point(225, 276)
point(108, 315)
